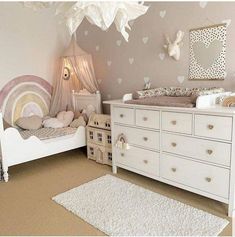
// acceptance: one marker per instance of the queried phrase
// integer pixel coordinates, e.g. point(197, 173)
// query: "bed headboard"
point(24, 96)
point(82, 101)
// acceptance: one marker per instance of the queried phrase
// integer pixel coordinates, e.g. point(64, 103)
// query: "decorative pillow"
point(52, 123)
point(78, 122)
point(30, 123)
point(66, 117)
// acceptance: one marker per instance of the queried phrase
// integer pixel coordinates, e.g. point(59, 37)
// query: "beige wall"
point(181, 15)
point(30, 42)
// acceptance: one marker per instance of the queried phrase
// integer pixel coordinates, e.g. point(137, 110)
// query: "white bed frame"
point(16, 150)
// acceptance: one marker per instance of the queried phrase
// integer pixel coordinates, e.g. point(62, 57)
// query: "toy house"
point(99, 141)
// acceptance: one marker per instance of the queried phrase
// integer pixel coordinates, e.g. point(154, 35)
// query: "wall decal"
point(145, 39)
point(97, 47)
point(118, 42)
point(207, 53)
point(119, 80)
point(109, 96)
point(180, 79)
point(86, 32)
point(25, 96)
point(173, 48)
point(99, 81)
point(227, 21)
point(161, 56)
point(146, 80)
point(162, 13)
point(203, 4)
point(131, 60)
point(109, 63)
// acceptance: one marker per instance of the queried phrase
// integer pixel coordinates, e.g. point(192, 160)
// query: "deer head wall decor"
point(173, 48)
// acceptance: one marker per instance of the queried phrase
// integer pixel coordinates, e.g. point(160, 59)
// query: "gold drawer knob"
point(121, 115)
point(145, 138)
point(122, 154)
point(209, 151)
point(145, 118)
point(173, 122)
point(173, 144)
point(173, 169)
point(208, 179)
point(210, 126)
point(146, 161)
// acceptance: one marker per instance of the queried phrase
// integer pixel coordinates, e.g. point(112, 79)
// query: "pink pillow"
point(65, 117)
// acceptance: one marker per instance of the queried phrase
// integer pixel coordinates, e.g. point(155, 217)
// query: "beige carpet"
point(26, 207)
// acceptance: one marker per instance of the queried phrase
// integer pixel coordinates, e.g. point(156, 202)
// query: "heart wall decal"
point(131, 60)
point(109, 63)
point(203, 4)
point(180, 79)
point(145, 39)
point(118, 42)
point(161, 56)
point(207, 55)
point(119, 80)
point(162, 13)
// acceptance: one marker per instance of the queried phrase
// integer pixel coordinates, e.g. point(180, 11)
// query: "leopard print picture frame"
point(207, 53)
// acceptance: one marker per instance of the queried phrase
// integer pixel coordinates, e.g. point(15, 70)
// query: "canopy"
point(76, 73)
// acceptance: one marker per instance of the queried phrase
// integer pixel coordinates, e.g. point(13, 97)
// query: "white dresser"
point(189, 148)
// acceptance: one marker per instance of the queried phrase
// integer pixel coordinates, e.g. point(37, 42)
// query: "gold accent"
point(173, 122)
point(208, 179)
point(173, 169)
point(145, 161)
point(145, 118)
point(210, 126)
point(121, 115)
point(145, 138)
point(209, 151)
point(122, 154)
point(173, 144)
point(208, 27)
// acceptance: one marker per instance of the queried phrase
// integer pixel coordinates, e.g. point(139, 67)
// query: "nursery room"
point(117, 118)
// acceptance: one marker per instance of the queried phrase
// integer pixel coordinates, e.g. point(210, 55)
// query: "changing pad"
point(47, 133)
point(172, 101)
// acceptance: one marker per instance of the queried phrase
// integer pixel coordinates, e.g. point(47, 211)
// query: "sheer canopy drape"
point(82, 76)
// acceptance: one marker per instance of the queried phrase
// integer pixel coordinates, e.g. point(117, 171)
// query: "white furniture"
point(189, 148)
point(16, 150)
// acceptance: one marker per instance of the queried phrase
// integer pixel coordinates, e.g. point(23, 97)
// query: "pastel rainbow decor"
point(25, 96)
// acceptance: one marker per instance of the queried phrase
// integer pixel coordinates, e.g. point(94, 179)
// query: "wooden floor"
point(26, 207)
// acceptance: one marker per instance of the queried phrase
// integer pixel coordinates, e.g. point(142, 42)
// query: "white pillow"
point(52, 123)
point(65, 117)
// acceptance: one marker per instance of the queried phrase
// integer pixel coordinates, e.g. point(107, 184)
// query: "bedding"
point(47, 133)
point(172, 101)
point(78, 122)
point(65, 117)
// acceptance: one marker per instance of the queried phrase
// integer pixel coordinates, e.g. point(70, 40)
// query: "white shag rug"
point(120, 208)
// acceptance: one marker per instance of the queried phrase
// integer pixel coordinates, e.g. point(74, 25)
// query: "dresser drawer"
point(207, 178)
point(213, 126)
point(147, 118)
point(177, 122)
point(140, 159)
point(210, 151)
point(123, 115)
point(136, 136)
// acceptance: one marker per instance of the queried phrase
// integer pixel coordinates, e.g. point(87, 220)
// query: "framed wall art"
point(207, 53)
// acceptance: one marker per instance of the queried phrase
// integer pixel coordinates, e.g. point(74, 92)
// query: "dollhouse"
point(99, 142)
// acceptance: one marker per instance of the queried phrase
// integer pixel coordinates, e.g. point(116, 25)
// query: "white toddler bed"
point(16, 150)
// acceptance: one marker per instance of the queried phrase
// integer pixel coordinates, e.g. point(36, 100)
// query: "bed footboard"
point(16, 150)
